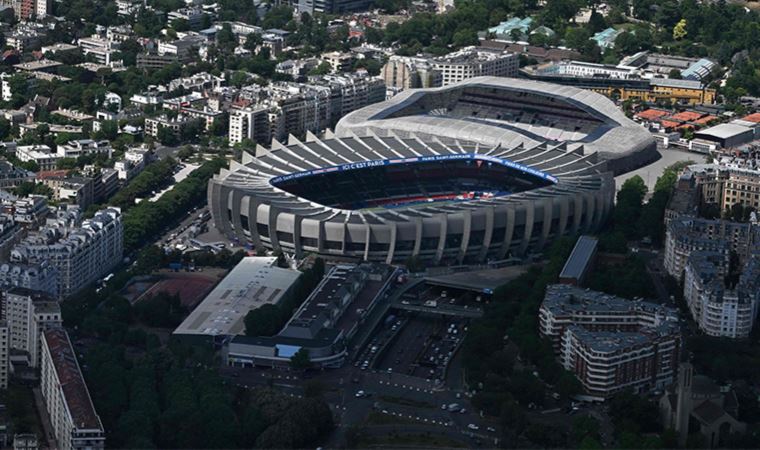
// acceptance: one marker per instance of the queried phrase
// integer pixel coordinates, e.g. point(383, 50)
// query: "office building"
point(67, 400)
point(611, 344)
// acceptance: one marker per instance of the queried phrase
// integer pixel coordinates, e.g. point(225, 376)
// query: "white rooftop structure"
point(253, 283)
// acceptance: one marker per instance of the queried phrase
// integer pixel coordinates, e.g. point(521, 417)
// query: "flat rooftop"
point(38, 65)
point(253, 283)
point(579, 259)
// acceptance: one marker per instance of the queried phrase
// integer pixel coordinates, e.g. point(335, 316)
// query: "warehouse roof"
point(253, 283)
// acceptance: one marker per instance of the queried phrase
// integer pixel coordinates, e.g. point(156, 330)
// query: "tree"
point(263, 321)
point(300, 360)
point(679, 31)
point(323, 68)
point(166, 136)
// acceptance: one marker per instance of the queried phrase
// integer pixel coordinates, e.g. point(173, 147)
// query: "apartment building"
point(403, 72)
point(81, 147)
point(42, 277)
point(40, 154)
point(175, 124)
point(28, 313)
point(351, 92)
point(5, 363)
point(721, 305)
point(249, 123)
point(339, 61)
point(75, 422)
point(471, 62)
point(282, 109)
point(686, 235)
point(611, 344)
point(193, 16)
point(733, 178)
point(100, 48)
point(30, 210)
point(80, 253)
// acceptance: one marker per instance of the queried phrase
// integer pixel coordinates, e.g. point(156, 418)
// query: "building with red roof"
point(686, 116)
point(75, 423)
point(752, 118)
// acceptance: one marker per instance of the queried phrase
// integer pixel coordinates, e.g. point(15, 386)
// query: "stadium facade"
point(433, 180)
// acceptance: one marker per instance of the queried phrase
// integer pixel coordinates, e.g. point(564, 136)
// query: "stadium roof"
point(616, 138)
point(253, 283)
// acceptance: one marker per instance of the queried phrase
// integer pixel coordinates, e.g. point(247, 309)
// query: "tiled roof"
point(752, 118)
point(686, 116)
point(651, 114)
point(75, 392)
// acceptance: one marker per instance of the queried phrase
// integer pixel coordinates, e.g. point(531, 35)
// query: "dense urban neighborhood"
point(379, 224)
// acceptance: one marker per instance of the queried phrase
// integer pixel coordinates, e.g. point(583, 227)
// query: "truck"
point(453, 407)
point(431, 304)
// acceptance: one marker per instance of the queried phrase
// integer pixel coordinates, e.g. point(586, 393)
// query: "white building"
point(720, 308)
point(81, 147)
point(6, 93)
point(40, 154)
point(248, 123)
point(471, 62)
point(101, 49)
point(80, 254)
point(72, 415)
point(29, 313)
point(587, 70)
point(132, 164)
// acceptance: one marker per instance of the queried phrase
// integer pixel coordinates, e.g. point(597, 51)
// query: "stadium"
point(510, 112)
point(444, 200)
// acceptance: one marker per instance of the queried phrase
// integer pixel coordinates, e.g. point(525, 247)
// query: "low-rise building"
point(251, 284)
point(40, 154)
point(67, 400)
point(175, 124)
point(611, 344)
point(321, 326)
point(81, 147)
point(12, 176)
